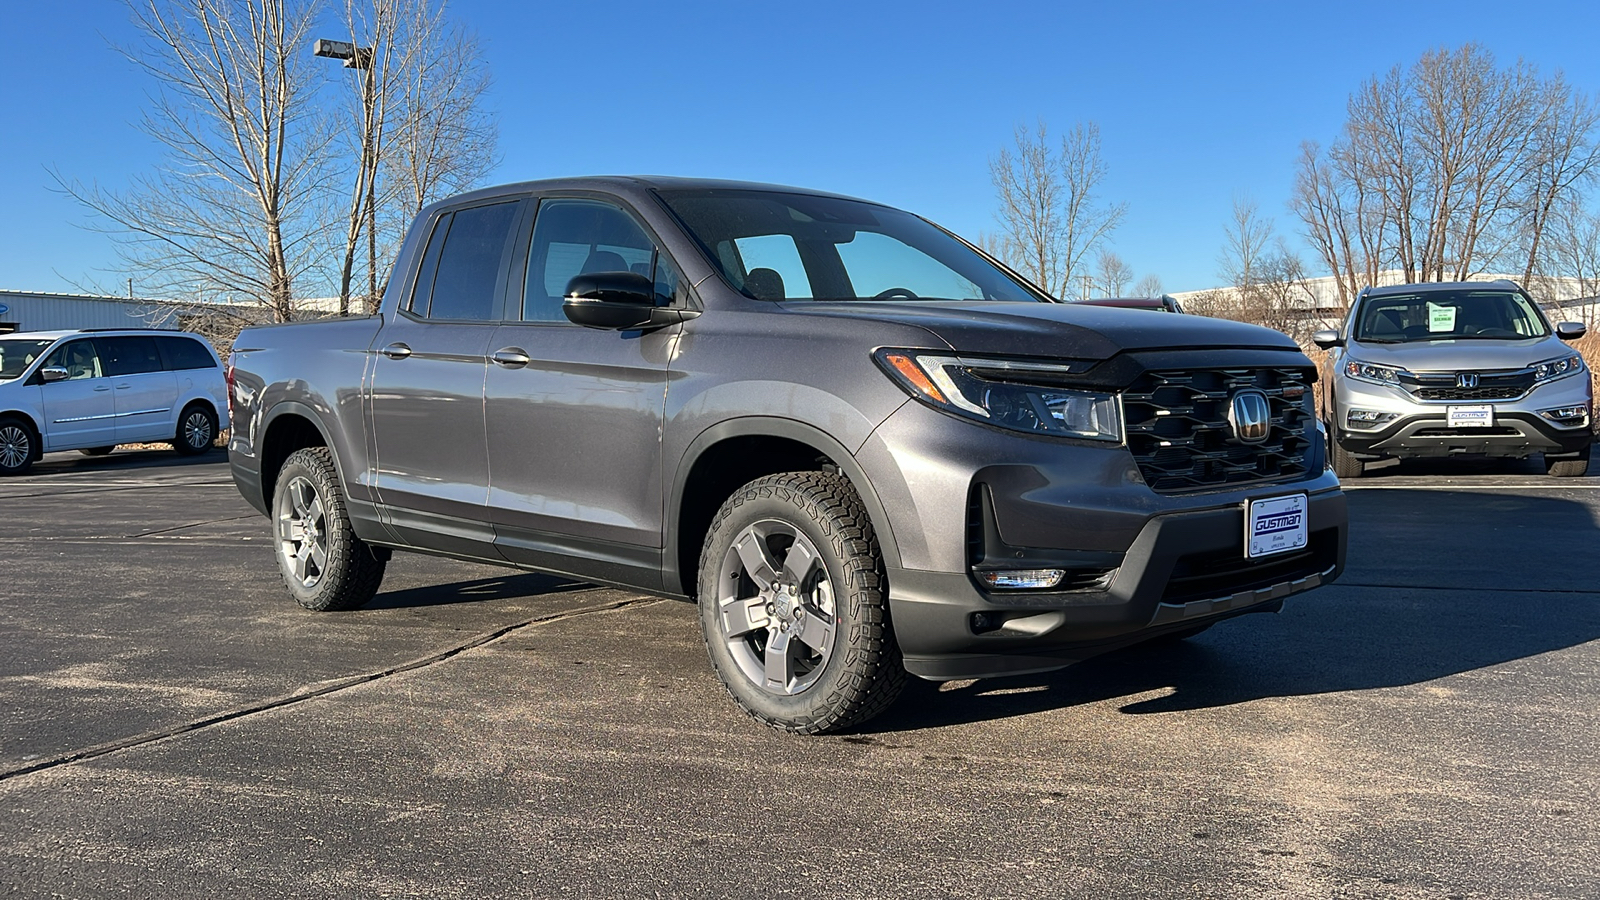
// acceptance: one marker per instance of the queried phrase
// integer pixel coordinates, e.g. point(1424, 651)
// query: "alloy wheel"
point(302, 532)
point(16, 446)
point(776, 609)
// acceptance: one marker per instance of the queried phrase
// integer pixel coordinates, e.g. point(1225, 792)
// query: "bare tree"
point(231, 213)
point(1149, 286)
point(1445, 170)
point(1114, 274)
point(1247, 237)
point(1050, 216)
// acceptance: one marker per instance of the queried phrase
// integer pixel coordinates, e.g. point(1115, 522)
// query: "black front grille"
point(1213, 574)
point(1489, 386)
point(1179, 434)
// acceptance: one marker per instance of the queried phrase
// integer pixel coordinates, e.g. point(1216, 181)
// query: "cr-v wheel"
point(323, 563)
point(793, 608)
point(1345, 465)
point(16, 446)
point(1568, 468)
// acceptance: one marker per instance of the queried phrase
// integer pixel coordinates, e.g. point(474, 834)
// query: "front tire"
point(1568, 468)
point(197, 429)
point(324, 565)
point(1345, 465)
point(793, 605)
point(18, 446)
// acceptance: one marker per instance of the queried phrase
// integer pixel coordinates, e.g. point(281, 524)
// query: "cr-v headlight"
point(1551, 369)
point(1361, 371)
point(996, 392)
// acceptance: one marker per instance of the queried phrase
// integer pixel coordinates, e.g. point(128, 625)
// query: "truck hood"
point(1456, 355)
point(1059, 330)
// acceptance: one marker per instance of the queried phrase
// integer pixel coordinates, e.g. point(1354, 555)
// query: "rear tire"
point(18, 446)
point(197, 429)
point(1568, 468)
point(1345, 465)
point(793, 605)
point(324, 565)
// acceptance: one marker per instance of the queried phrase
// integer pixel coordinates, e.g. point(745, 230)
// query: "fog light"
point(1022, 579)
point(983, 622)
point(1368, 419)
point(1568, 415)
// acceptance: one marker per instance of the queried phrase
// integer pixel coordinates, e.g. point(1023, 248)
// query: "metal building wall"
point(57, 312)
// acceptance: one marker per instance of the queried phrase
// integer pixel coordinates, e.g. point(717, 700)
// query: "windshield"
point(779, 246)
point(16, 354)
point(1449, 315)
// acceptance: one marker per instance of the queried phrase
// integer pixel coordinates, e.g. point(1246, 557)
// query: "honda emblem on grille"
point(1467, 380)
point(1251, 416)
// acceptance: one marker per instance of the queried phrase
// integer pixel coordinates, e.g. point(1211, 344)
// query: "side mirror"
point(617, 301)
point(1571, 331)
point(52, 373)
point(1327, 339)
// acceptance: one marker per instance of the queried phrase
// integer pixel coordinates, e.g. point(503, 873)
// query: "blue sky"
point(898, 102)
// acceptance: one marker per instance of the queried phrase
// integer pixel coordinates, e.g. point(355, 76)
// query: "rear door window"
point(461, 267)
point(129, 355)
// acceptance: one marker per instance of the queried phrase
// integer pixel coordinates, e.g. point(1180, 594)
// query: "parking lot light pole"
point(361, 58)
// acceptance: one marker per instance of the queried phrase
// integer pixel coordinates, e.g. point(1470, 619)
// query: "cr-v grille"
point(1178, 430)
point(1486, 386)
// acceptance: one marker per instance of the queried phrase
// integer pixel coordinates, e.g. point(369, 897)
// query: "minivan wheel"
point(197, 428)
point(16, 446)
point(1567, 468)
point(793, 605)
point(1345, 465)
point(325, 566)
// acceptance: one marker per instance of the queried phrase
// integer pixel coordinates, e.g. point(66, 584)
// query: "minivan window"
point(1448, 315)
point(185, 353)
point(17, 354)
point(579, 237)
point(78, 358)
point(129, 355)
point(469, 263)
point(848, 249)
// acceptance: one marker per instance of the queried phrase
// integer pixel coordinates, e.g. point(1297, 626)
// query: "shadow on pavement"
point(155, 458)
point(1438, 583)
point(482, 590)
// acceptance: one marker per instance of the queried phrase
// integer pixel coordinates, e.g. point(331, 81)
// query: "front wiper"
point(1373, 340)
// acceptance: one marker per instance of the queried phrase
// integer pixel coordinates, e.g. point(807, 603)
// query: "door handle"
point(103, 387)
point(123, 387)
point(511, 357)
point(396, 350)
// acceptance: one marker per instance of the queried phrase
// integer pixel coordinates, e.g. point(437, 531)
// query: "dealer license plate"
point(1469, 416)
point(1274, 525)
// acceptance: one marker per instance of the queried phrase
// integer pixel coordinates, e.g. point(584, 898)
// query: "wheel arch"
point(290, 426)
point(735, 452)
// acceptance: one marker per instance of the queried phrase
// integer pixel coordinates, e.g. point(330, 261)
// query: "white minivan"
point(94, 389)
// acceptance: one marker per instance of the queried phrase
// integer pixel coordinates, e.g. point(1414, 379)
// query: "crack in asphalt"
point(321, 689)
point(113, 489)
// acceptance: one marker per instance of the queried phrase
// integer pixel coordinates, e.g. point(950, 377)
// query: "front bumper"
point(1421, 429)
point(1143, 563)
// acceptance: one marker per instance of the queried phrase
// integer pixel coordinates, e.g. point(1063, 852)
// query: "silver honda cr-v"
point(1466, 368)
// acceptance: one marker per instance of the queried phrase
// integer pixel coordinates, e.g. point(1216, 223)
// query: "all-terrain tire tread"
point(358, 571)
point(871, 658)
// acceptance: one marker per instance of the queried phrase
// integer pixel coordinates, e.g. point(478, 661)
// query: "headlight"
point(990, 391)
point(1557, 368)
point(1368, 372)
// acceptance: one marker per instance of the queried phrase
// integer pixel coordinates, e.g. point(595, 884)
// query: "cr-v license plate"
point(1274, 525)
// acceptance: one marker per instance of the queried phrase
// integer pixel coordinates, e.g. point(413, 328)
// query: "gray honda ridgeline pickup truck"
point(866, 448)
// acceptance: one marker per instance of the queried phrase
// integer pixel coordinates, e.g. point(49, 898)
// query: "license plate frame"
point(1275, 525)
point(1480, 415)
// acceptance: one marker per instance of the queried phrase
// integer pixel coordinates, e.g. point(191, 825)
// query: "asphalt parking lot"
point(172, 725)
